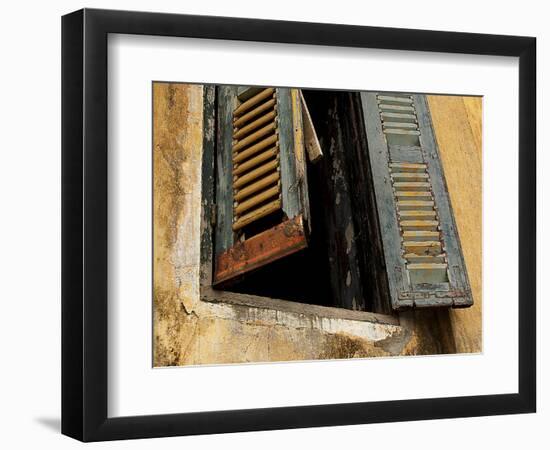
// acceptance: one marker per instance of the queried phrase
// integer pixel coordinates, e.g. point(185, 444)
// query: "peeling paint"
point(349, 236)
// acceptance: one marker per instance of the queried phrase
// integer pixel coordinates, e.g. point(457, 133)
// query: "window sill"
point(208, 294)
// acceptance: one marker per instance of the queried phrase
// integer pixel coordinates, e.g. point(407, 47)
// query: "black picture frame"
point(84, 224)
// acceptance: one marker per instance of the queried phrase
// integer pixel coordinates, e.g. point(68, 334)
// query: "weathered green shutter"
point(422, 252)
point(261, 189)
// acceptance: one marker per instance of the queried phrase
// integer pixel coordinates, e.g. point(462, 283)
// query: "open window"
point(262, 211)
point(329, 198)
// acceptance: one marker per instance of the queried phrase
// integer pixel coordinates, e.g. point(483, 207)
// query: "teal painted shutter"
point(423, 257)
point(262, 208)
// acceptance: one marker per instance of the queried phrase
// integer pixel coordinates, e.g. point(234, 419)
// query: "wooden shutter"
point(262, 209)
point(422, 252)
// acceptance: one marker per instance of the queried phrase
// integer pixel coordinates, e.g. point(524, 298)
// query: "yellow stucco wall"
point(458, 127)
point(188, 330)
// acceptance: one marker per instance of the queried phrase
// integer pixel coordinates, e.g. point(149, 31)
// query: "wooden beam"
point(313, 147)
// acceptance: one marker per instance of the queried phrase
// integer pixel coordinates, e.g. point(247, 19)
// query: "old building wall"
point(458, 128)
point(190, 329)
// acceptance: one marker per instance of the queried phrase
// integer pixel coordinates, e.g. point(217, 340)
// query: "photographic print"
point(321, 225)
point(303, 224)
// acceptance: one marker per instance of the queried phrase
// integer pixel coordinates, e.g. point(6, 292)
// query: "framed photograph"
point(274, 224)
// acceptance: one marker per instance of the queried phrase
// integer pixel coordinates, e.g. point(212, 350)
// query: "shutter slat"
point(423, 259)
point(415, 204)
point(405, 132)
point(250, 115)
point(394, 99)
point(406, 167)
point(428, 225)
point(411, 185)
point(257, 199)
point(253, 162)
point(252, 126)
point(423, 247)
point(257, 214)
point(268, 129)
point(420, 195)
point(410, 214)
point(266, 93)
point(390, 107)
point(404, 125)
point(406, 177)
point(420, 235)
point(254, 174)
point(241, 156)
point(257, 186)
point(426, 266)
point(398, 117)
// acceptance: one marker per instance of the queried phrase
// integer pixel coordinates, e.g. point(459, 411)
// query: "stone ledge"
point(253, 301)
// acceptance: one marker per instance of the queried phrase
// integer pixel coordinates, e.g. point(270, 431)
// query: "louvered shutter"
point(261, 191)
point(423, 257)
